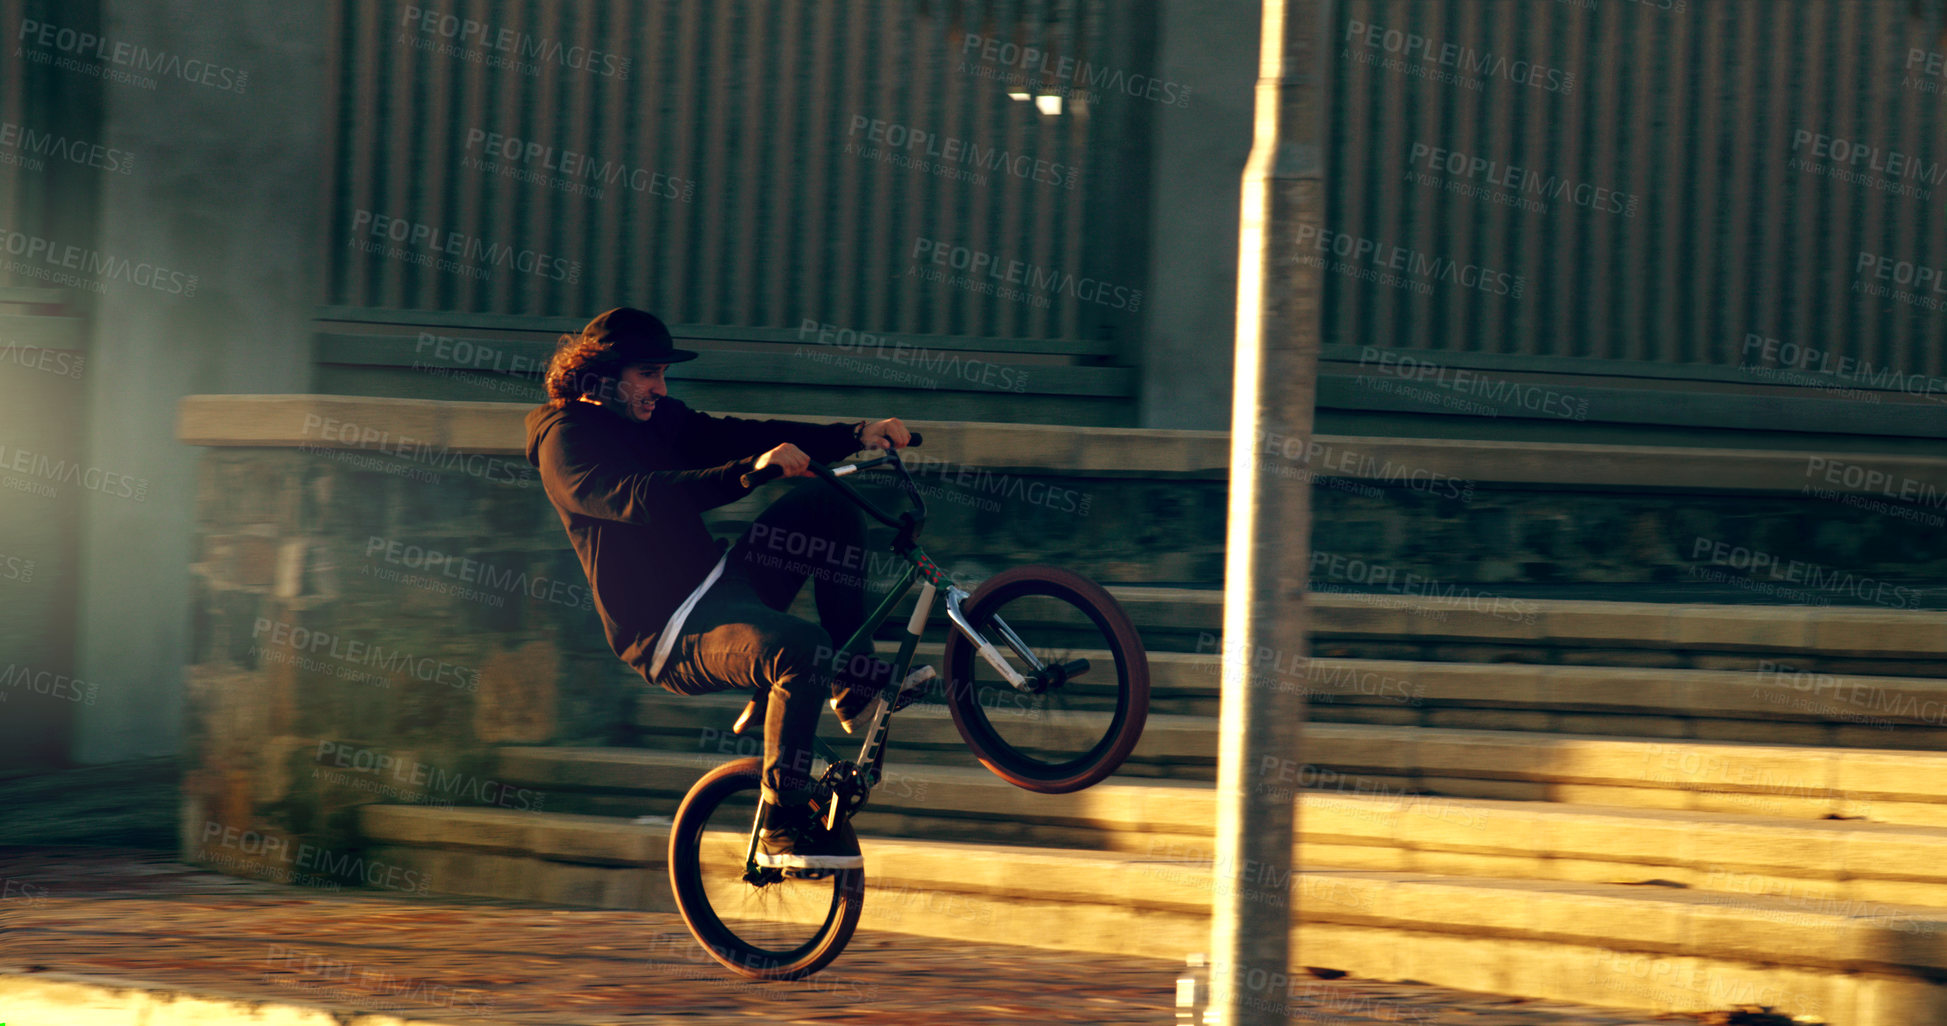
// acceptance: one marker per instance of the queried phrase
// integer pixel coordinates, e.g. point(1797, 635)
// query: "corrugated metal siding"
point(1694, 113)
point(751, 101)
point(57, 199)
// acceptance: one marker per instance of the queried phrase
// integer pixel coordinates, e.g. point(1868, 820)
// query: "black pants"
point(739, 635)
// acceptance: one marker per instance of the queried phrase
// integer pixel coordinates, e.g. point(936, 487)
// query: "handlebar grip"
point(915, 439)
point(759, 476)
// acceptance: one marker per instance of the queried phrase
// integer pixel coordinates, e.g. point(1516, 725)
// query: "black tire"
point(1072, 735)
point(782, 930)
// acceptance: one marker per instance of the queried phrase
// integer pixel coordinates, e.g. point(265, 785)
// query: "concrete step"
point(1490, 629)
point(1775, 704)
point(1884, 785)
point(1853, 861)
point(1870, 635)
point(1648, 947)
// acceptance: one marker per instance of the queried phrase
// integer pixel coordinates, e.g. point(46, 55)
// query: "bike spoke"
point(780, 915)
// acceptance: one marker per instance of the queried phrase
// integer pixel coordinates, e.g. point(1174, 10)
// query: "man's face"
point(636, 391)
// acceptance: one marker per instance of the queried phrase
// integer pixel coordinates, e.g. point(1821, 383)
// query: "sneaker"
point(857, 706)
point(797, 842)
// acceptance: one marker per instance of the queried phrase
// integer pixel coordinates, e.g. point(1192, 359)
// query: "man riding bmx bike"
point(630, 470)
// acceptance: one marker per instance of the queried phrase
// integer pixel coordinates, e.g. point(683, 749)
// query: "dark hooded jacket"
point(632, 495)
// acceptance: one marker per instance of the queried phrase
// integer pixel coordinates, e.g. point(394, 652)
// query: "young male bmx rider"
point(630, 470)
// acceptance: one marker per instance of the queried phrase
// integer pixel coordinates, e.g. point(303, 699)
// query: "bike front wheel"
point(756, 923)
point(1085, 710)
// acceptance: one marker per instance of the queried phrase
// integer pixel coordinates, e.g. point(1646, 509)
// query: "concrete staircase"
point(1757, 820)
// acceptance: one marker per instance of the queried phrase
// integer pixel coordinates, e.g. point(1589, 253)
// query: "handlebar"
point(773, 472)
point(907, 523)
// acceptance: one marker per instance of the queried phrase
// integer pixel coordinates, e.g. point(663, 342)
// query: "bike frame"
point(931, 580)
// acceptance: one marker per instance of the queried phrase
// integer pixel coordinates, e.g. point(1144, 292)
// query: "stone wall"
point(1524, 541)
point(366, 628)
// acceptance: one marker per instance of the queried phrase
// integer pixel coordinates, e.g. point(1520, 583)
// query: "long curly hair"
point(580, 364)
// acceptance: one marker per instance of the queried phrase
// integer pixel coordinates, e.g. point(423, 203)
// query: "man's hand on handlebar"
point(788, 459)
point(885, 434)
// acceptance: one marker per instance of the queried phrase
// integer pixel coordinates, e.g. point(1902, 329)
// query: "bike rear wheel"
point(1077, 730)
point(776, 928)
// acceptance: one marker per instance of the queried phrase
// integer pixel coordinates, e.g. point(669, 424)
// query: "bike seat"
point(753, 714)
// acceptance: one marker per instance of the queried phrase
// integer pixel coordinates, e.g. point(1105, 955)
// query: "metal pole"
point(1253, 903)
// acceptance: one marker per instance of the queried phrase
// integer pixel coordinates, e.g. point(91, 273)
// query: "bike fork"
point(954, 597)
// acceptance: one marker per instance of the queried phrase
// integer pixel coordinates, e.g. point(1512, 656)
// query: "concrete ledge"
point(55, 999)
point(292, 420)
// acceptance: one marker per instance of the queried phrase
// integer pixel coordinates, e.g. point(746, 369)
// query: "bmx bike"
point(1051, 696)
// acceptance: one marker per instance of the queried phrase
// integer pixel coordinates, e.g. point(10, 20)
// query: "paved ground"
point(139, 915)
